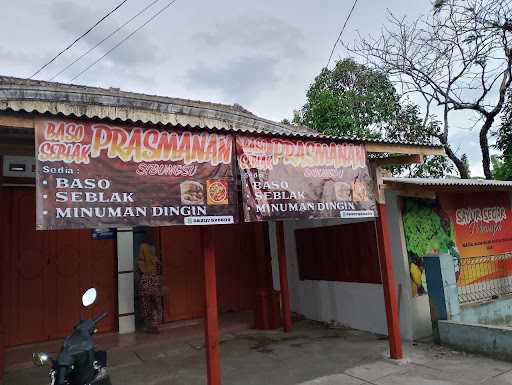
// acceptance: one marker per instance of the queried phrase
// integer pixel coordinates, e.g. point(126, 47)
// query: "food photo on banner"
point(101, 175)
point(295, 179)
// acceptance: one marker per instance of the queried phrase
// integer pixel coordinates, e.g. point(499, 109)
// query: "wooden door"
point(25, 275)
point(183, 272)
point(78, 263)
point(44, 274)
point(242, 266)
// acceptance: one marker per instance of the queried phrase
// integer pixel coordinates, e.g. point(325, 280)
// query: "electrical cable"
point(78, 39)
point(102, 41)
point(126, 38)
point(341, 33)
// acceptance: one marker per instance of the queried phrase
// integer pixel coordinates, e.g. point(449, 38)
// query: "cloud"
point(64, 14)
point(140, 50)
point(256, 32)
point(244, 77)
point(22, 60)
point(269, 45)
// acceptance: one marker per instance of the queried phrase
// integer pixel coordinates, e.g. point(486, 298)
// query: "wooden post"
point(388, 283)
point(212, 319)
point(283, 278)
point(2, 352)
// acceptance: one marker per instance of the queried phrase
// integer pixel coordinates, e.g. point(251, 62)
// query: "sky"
point(262, 54)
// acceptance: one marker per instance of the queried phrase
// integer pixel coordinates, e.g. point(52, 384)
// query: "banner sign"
point(474, 228)
point(97, 175)
point(482, 222)
point(293, 179)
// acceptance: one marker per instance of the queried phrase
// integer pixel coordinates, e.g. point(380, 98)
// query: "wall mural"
point(472, 225)
point(428, 231)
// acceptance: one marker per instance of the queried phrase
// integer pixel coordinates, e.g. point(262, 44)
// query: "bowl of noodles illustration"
point(342, 191)
point(192, 193)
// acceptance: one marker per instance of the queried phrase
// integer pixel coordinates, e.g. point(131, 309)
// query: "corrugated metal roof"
point(450, 184)
point(93, 102)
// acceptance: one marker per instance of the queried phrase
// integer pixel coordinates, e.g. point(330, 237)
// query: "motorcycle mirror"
point(89, 297)
point(40, 359)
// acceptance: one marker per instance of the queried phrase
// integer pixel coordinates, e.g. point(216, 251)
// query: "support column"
point(388, 284)
point(283, 277)
point(3, 338)
point(211, 315)
point(442, 290)
point(125, 281)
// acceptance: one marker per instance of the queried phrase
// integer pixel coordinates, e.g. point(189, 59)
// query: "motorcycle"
point(78, 362)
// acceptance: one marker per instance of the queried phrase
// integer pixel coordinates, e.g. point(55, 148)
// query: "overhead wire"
point(103, 40)
point(78, 39)
point(123, 40)
point(341, 33)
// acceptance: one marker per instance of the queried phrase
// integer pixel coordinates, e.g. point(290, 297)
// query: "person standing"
point(150, 289)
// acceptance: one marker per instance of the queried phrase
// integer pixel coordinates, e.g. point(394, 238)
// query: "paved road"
point(312, 354)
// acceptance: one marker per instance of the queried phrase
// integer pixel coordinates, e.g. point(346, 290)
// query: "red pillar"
point(212, 319)
point(388, 283)
point(283, 278)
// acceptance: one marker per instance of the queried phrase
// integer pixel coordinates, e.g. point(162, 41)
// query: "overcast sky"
point(261, 54)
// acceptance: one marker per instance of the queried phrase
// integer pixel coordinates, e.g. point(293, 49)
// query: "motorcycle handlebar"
point(99, 318)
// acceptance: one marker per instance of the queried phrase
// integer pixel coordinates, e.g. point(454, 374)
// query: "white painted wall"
point(125, 281)
point(356, 305)
point(415, 320)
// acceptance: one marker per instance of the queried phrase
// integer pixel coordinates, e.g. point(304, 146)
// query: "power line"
point(341, 33)
point(122, 41)
point(105, 39)
point(79, 38)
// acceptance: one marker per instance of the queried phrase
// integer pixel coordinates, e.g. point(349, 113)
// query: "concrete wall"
point(356, 305)
point(496, 312)
point(493, 341)
point(415, 320)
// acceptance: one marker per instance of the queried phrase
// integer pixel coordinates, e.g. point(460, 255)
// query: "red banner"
point(292, 179)
point(482, 222)
point(97, 175)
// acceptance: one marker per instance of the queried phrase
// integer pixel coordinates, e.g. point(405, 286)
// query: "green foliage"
point(408, 126)
point(348, 100)
point(432, 167)
point(424, 230)
point(502, 165)
point(355, 100)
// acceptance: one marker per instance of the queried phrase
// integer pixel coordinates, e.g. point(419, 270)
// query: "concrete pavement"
point(311, 355)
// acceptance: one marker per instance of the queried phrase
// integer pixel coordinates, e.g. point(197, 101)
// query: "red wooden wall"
point(44, 273)
point(347, 253)
point(242, 263)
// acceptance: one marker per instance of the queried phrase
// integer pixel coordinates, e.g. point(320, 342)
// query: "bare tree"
point(459, 58)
